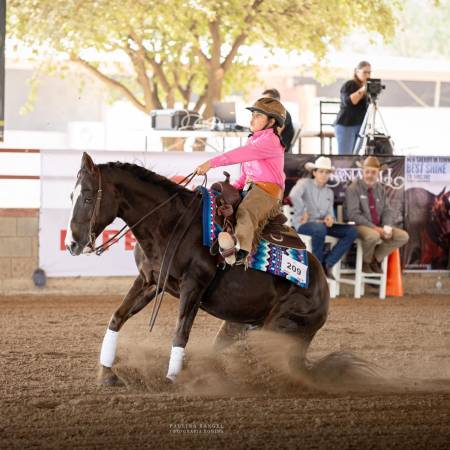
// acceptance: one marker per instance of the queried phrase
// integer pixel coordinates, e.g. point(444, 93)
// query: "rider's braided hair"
point(274, 127)
point(275, 130)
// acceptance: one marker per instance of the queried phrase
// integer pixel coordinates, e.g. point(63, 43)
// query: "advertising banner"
point(59, 169)
point(427, 216)
point(418, 188)
point(2, 67)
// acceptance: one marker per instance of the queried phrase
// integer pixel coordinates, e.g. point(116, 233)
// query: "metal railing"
point(328, 110)
point(21, 151)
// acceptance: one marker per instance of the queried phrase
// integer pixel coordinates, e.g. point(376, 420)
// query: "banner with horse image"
point(59, 170)
point(427, 216)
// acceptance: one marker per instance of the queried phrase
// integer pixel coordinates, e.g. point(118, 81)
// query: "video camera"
point(374, 87)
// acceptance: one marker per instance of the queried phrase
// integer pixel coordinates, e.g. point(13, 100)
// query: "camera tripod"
point(368, 135)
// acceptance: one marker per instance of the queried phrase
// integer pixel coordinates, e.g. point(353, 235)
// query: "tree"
point(424, 30)
point(177, 48)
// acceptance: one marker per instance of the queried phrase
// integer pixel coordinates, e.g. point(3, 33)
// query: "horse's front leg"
point(139, 295)
point(190, 295)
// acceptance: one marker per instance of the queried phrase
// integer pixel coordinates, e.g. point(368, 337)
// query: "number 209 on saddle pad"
point(294, 268)
point(289, 263)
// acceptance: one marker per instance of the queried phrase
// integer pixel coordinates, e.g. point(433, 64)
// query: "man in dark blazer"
point(368, 206)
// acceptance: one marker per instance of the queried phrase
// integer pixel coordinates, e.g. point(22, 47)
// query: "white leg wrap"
point(175, 363)
point(109, 346)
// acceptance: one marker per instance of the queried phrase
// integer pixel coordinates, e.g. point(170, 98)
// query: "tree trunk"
point(173, 144)
point(214, 94)
point(171, 98)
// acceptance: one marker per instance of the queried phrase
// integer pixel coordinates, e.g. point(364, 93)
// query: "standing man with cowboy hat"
point(314, 214)
point(368, 206)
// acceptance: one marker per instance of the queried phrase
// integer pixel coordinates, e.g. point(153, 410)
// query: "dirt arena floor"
point(244, 398)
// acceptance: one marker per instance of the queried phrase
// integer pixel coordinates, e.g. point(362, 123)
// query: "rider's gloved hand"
point(203, 168)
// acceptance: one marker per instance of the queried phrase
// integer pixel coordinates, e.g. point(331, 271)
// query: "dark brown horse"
point(238, 296)
point(428, 224)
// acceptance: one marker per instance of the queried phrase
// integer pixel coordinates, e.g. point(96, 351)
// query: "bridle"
point(124, 230)
point(98, 200)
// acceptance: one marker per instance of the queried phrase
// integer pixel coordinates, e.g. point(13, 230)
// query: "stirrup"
point(228, 247)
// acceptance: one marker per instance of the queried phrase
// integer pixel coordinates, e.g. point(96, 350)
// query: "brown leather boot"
point(376, 266)
point(329, 272)
point(241, 257)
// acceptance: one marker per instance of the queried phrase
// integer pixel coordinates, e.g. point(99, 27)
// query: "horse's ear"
point(87, 163)
point(442, 192)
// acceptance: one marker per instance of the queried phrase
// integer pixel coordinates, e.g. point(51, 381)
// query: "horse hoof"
point(171, 379)
point(108, 378)
point(112, 380)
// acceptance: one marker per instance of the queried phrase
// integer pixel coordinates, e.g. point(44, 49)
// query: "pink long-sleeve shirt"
point(262, 159)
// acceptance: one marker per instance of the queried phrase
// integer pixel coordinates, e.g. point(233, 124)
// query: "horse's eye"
point(88, 200)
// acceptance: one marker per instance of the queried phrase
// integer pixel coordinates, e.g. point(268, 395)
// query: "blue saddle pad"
point(288, 263)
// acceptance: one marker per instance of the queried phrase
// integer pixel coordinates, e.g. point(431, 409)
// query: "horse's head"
point(441, 212)
point(93, 208)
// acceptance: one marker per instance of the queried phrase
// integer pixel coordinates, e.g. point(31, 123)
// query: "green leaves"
point(177, 48)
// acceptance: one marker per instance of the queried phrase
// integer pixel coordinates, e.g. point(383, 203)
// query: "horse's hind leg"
point(227, 334)
point(139, 295)
point(298, 347)
point(299, 318)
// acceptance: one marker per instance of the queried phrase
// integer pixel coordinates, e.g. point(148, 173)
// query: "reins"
point(160, 296)
point(124, 230)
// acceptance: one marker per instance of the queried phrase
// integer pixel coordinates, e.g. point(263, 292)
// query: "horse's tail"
point(341, 370)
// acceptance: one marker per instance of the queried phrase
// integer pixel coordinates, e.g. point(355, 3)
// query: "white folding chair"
point(295, 138)
point(361, 279)
point(332, 284)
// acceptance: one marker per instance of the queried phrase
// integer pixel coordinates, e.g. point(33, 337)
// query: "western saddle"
point(275, 231)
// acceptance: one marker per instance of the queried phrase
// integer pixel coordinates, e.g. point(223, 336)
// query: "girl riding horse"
point(262, 178)
point(153, 207)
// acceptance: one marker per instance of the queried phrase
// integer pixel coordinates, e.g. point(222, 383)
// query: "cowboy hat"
point(322, 162)
point(270, 107)
point(371, 161)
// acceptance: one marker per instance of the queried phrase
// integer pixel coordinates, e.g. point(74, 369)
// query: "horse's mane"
point(145, 175)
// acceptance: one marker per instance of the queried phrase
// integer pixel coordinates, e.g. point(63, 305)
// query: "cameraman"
point(353, 108)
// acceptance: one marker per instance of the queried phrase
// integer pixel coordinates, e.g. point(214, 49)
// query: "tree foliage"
point(424, 30)
point(177, 48)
